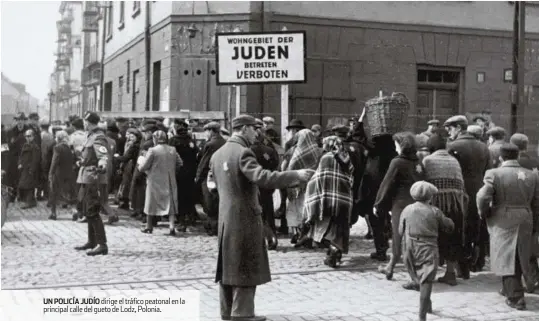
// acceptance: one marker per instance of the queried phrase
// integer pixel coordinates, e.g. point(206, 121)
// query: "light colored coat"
point(160, 165)
point(243, 257)
point(513, 192)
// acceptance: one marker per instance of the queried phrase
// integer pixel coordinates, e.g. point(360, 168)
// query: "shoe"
point(369, 236)
point(75, 217)
point(304, 241)
point(98, 250)
point(379, 256)
point(383, 270)
point(272, 243)
point(171, 232)
point(519, 305)
point(532, 286)
point(52, 217)
point(294, 239)
point(226, 317)
point(86, 246)
point(113, 219)
point(501, 292)
point(448, 280)
point(411, 286)
point(464, 273)
point(146, 230)
point(257, 318)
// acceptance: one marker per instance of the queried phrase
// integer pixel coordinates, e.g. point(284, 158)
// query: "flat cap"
point(92, 118)
point(20, 116)
point(423, 191)
point(456, 120)
point(520, 141)
point(259, 123)
point(475, 130)
point(295, 123)
point(433, 122)
point(33, 116)
point(134, 131)
point(475, 118)
point(243, 120)
point(212, 125)
point(508, 149)
point(496, 131)
point(121, 119)
point(268, 119)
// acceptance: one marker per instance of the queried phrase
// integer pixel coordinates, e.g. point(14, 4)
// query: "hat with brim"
point(496, 131)
point(33, 116)
point(20, 116)
point(212, 126)
point(295, 124)
point(508, 150)
point(433, 122)
point(225, 132)
point(92, 118)
point(475, 118)
point(520, 140)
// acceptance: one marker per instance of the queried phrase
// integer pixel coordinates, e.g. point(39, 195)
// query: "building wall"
point(490, 15)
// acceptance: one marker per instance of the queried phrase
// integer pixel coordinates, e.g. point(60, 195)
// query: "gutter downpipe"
point(147, 53)
point(102, 65)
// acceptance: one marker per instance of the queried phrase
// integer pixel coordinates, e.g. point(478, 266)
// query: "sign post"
point(275, 57)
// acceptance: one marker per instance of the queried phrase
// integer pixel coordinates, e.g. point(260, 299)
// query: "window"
point(136, 8)
point(135, 90)
point(128, 76)
point(110, 19)
point(120, 91)
point(437, 76)
point(122, 15)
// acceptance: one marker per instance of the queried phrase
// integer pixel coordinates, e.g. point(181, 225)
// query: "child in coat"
point(419, 225)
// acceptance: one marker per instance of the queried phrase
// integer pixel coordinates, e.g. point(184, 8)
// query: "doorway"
point(437, 95)
point(107, 104)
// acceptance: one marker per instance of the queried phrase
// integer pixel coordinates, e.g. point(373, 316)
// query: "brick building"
point(447, 57)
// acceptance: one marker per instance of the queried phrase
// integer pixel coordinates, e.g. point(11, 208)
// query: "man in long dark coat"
point(60, 174)
point(243, 259)
point(29, 167)
point(15, 142)
point(474, 160)
point(532, 163)
point(268, 158)
point(210, 202)
point(185, 176)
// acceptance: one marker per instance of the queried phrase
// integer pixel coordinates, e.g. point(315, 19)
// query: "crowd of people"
point(451, 195)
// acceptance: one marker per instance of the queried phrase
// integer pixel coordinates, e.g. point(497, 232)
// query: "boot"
point(98, 250)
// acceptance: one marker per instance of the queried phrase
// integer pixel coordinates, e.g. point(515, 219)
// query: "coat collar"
point(510, 163)
point(465, 135)
point(238, 139)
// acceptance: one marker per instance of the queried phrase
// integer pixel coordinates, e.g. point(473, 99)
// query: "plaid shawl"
point(329, 192)
point(306, 154)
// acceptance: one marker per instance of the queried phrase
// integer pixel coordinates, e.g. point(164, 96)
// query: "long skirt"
point(335, 229)
point(294, 211)
point(421, 259)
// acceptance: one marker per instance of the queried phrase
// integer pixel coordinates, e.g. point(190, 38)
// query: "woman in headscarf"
point(329, 200)
point(419, 225)
point(394, 193)
point(160, 164)
point(127, 163)
point(444, 172)
point(305, 155)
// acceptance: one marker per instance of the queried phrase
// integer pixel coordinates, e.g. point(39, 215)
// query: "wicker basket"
point(387, 115)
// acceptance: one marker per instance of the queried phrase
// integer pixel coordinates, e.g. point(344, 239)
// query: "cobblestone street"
point(37, 253)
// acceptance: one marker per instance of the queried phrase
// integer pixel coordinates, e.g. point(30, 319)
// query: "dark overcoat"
point(15, 142)
point(527, 161)
point(210, 202)
point(243, 257)
point(494, 150)
point(60, 173)
point(512, 218)
point(30, 160)
point(185, 176)
point(474, 160)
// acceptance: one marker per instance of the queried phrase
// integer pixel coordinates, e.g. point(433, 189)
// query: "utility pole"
point(521, 68)
point(514, 73)
point(519, 50)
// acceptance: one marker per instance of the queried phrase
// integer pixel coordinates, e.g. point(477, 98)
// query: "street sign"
point(276, 57)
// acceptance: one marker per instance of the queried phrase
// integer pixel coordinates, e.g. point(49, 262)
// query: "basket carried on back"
point(387, 114)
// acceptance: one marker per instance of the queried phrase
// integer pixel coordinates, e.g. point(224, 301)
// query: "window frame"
point(136, 9)
point(122, 15)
